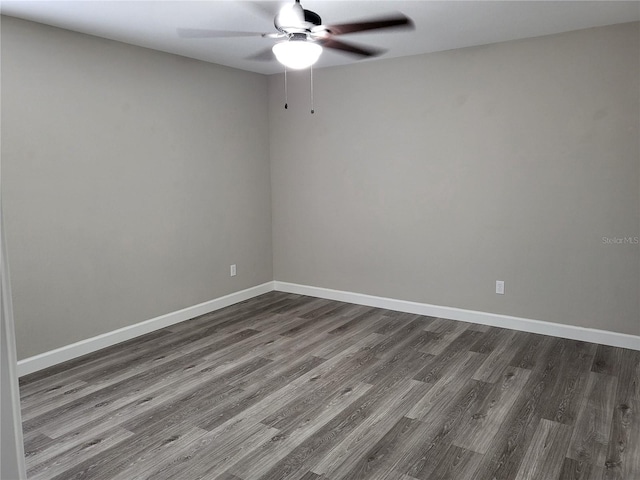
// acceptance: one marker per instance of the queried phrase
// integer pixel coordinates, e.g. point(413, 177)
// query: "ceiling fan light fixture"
point(297, 54)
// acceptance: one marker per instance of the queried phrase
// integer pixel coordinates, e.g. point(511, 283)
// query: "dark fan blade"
point(263, 55)
point(350, 48)
point(398, 21)
point(204, 33)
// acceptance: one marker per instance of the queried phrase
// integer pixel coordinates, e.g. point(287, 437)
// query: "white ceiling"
point(439, 25)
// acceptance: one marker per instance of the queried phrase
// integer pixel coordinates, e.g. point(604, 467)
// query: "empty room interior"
point(412, 255)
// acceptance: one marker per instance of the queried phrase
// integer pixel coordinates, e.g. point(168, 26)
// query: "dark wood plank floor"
point(285, 386)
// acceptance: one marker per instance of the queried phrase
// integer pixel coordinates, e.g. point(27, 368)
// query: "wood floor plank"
point(478, 327)
point(437, 398)
point(563, 401)
point(131, 399)
point(399, 364)
point(108, 463)
point(590, 439)
point(342, 458)
point(179, 346)
point(457, 464)
point(623, 457)
point(119, 393)
point(299, 306)
point(329, 309)
point(369, 465)
point(317, 341)
point(488, 342)
point(227, 476)
point(58, 446)
point(311, 476)
point(497, 361)
point(195, 404)
point(309, 344)
point(483, 426)
point(407, 333)
point(258, 405)
point(43, 401)
point(311, 451)
point(446, 332)
point(146, 460)
point(546, 453)
point(290, 387)
point(35, 444)
point(574, 470)
point(62, 462)
point(431, 442)
point(502, 461)
point(361, 319)
point(529, 353)
point(332, 344)
point(35, 383)
point(336, 383)
point(251, 401)
point(393, 323)
point(94, 427)
point(419, 445)
point(349, 313)
point(631, 467)
point(211, 454)
point(607, 360)
point(155, 378)
point(249, 309)
point(278, 372)
point(260, 461)
point(456, 352)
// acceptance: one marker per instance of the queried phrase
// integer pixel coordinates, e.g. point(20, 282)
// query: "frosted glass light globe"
point(297, 54)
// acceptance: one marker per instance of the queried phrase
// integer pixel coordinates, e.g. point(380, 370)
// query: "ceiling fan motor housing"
point(311, 19)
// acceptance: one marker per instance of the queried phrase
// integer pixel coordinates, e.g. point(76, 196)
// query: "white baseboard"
point(83, 347)
point(68, 352)
point(493, 319)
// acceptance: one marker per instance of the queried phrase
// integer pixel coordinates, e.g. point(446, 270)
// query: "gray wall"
point(423, 178)
point(428, 178)
point(132, 179)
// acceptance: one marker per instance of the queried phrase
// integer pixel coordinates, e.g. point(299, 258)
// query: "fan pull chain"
point(312, 110)
point(286, 100)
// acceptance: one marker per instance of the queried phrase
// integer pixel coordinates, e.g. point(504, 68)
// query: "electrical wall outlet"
point(500, 287)
point(232, 270)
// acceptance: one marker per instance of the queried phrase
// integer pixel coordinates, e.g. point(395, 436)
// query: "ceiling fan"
point(304, 36)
